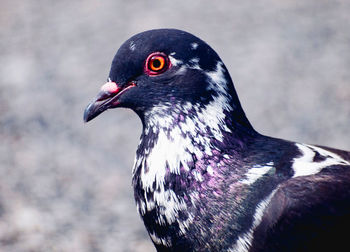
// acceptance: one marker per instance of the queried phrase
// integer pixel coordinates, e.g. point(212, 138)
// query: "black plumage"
point(204, 179)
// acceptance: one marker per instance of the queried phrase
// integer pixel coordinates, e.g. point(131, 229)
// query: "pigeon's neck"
point(182, 149)
point(176, 135)
point(178, 153)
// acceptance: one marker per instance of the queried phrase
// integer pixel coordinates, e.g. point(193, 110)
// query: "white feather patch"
point(132, 46)
point(161, 241)
point(256, 172)
point(217, 77)
point(194, 45)
point(174, 61)
point(304, 165)
point(171, 205)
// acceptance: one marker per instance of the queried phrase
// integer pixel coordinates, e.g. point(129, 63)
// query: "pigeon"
point(204, 179)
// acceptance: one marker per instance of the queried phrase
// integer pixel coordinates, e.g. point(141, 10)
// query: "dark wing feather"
point(309, 213)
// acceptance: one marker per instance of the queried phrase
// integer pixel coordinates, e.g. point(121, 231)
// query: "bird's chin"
point(107, 98)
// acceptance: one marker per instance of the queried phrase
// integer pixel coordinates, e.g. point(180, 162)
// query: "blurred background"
point(66, 185)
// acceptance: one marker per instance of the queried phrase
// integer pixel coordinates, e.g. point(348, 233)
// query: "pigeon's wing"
point(310, 213)
point(343, 154)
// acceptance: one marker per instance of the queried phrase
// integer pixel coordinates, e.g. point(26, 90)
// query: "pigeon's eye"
point(156, 63)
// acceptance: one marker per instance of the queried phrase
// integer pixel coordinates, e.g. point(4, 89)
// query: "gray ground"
point(66, 186)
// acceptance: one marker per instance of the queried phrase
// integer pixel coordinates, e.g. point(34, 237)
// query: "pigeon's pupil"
point(156, 63)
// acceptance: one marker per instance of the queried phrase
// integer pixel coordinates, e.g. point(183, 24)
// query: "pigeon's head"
point(167, 70)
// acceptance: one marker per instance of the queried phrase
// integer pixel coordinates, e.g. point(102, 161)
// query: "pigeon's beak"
point(106, 98)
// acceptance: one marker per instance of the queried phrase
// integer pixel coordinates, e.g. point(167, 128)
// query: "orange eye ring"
point(156, 63)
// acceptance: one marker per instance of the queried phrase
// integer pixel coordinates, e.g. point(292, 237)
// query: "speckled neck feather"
point(178, 164)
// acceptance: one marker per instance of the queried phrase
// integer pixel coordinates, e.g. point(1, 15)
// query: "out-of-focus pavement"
point(66, 186)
